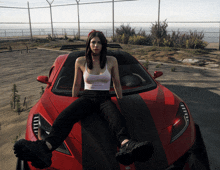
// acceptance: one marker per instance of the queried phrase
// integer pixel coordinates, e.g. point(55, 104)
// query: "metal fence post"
point(158, 15)
point(219, 38)
point(113, 20)
point(51, 17)
point(77, 1)
point(30, 20)
point(159, 23)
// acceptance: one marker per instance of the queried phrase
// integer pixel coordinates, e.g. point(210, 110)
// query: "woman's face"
point(96, 45)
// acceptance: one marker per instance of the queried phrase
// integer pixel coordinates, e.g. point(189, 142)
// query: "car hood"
point(161, 103)
point(147, 115)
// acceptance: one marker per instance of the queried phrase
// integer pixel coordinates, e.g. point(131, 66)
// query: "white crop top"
point(97, 82)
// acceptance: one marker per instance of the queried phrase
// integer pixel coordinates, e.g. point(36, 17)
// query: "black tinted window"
point(133, 76)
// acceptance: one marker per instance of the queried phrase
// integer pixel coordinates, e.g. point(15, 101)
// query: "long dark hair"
point(103, 52)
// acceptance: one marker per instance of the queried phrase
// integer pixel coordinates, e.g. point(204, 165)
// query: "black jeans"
point(90, 101)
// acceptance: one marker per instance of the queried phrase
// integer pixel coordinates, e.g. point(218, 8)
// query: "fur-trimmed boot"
point(35, 151)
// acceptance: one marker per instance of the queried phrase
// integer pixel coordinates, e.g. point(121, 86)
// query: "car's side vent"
point(35, 124)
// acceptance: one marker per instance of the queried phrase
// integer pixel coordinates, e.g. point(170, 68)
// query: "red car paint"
point(162, 103)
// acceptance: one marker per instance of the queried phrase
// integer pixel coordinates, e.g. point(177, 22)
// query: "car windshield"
point(133, 76)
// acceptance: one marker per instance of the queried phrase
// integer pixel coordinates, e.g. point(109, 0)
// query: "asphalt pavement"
point(200, 89)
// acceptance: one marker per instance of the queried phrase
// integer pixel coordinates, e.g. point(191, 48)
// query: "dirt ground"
point(22, 69)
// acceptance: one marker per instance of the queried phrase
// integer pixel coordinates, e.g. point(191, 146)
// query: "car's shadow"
point(204, 106)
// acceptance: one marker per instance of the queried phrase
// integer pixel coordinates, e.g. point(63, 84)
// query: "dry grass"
point(151, 53)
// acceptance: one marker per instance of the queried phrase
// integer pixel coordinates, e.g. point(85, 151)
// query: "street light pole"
point(77, 1)
point(51, 17)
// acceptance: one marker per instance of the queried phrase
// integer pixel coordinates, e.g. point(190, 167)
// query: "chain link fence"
point(210, 29)
point(211, 34)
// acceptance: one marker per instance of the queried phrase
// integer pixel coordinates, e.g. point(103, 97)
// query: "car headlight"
point(42, 128)
point(181, 122)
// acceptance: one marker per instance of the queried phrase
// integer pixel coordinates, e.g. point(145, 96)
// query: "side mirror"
point(43, 79)
point(157, 74)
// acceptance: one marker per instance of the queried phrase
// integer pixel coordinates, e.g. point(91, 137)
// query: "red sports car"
point(153, 113)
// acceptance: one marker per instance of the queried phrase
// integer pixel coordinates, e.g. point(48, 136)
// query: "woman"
point(97, 70)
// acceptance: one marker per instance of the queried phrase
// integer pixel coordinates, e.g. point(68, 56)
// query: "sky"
point(125, 12)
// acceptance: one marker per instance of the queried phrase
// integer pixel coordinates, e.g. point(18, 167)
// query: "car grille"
point(37, 127)
point(35, 124)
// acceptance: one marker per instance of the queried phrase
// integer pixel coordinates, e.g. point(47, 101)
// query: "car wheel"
point(22, 165)
point(198, 159)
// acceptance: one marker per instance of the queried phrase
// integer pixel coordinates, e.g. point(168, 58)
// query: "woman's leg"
point(38, 152)
point(67, 118)
point(132, 150)
point(116, 120)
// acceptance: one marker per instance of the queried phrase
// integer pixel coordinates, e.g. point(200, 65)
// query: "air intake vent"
point(39, 124)
point(35, 124)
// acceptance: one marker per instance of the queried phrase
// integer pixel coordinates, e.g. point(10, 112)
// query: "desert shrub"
point(15, 102)
point(160, 37)
point(127, 30)
point(146, 64)
point(166, 42)
point(174, 40)
point(18, 105)
point(11, 103)
point(76, 37)
point(65, 36)
point(141, 32)
point(70, 40)
point(39, 40)
point(50, 38)
point(158, 66)
point(173, 69)
point(192, 40)
point(10, 48)
point(127, 35)
point(123, 33)
point(140, 40)
point(15, 96)
point(159, 33)
point(125, 38)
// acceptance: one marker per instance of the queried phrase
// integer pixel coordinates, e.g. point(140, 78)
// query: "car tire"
point(198, 159)
point(22, 165)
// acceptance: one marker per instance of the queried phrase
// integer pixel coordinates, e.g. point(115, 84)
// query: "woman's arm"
point(116, 78)
point(77, 79)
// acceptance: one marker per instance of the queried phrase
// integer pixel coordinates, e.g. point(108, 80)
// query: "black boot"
point(35, 151)
point(134, 151)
